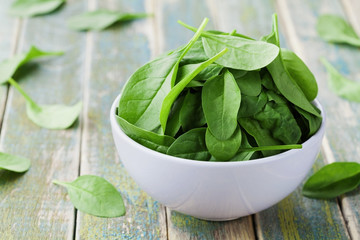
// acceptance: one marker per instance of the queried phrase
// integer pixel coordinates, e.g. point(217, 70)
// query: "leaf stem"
point(267, 148)
point(27, 97)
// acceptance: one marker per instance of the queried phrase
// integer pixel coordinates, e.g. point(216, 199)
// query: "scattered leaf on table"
point(333, 180)
point(340, 85)
point(94, 195)
point(29, 8)
point(9, 66)
point(335, 29)
point(101, 19)
point(49, 116)
point(14, 163)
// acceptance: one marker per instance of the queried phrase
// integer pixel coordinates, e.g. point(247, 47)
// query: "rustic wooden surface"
point(94, 69)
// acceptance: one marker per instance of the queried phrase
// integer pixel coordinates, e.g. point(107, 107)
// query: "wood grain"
point(31, 206)
point(112, 56)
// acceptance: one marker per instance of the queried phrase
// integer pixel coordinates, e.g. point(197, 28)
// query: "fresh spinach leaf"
point(207, 73)
point(49, 116)
point(335, 29)
point(223, 150)
point(144, 93)
point(191, 113)
point(243, 155)
point(333, 180)
point(269, 148)
point(95, 196)
point(340, 85)
point(251, 105)
point(180, 86)
point(190, 145)
point(249, 83)
point(300, 73)
point(312, 123)
point(146, 138)
point(14, 163)
point(173, 125)
point(101, 19)
point(9, 66)
point(221, 101)
point(29, 8)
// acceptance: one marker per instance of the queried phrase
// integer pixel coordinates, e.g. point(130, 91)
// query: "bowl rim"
point(305, 145)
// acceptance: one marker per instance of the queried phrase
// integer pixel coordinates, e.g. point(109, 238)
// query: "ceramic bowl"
point(216, 190)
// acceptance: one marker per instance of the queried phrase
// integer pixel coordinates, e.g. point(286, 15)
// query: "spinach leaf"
point(207, 73)
point(29, 8)
point(9, 66)
point(191, 114)
point(180, 86)
point(300, 73)
point(49, 116)
point(191, 145)
point(251, 105)
point(335, 29)
point(144, 93)
point(340, 85)
point(243, 54)
point(249, 83)
point(223, 150)
point(14, 163)
point(283, 81)
point(333, 180)
point(312, 123)
point(94, 195)
point(262, 136)
point(268, 148)
point(173, 125)
point(101, 19)
point(267, 81)
point(243, 155)
point(221, 101)
point(146, 138)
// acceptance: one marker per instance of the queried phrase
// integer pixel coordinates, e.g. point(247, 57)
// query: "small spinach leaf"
point(313, 123)
point(173, 124)
point(226, 149)
point(14, 163)
point(9, 66)
point(335, 29)
point(49, 116)
point(94, 195)
point(191, 114)
point(251, 105)
point(249, 83)
point(101, 19)
point(191, 145)
point(340, 85)
point(221, 101)
point(333, 180)
point(146, 138)
point(29, 8)
point(300, 73)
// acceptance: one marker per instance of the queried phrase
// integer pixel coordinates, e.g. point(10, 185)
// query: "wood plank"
point(112, 56)
point(31, 206)
point(293, 217)
point(342, 134)
point(193, 12)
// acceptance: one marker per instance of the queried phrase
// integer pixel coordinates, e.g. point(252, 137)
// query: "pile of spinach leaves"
point(221, 97)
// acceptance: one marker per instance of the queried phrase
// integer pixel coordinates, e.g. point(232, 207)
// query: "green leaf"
point(191, 113)
point(95, 196)
point(313, 123)
point(226, 149)
point(333, 180)
point(243, 155)
point(14, 163)
point(283, 81)
point(144, 93)
point(173, 125)
point(49, 116)
point(251, 105)
point(335, 29)
point(101, 19)
point(243, 54)
point(29, 8)
point(340, 85)
point(300, 73)
point(191, 145)
point(146, 138)
point(249, 83)
point(221, 101)
point(9, 66)
point(180, 86)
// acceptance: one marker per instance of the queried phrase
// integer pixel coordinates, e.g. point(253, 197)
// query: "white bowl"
point(216, 191)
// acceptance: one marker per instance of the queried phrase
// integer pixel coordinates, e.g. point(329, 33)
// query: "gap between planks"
point(287, 23)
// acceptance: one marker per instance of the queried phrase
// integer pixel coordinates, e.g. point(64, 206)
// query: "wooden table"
point(95, 68)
